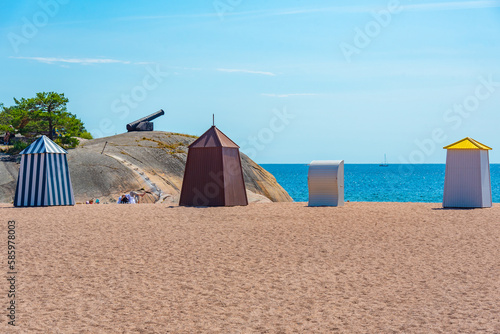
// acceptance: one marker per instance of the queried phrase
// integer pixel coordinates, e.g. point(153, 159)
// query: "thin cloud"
point(290, 95)
point(186, 68)
point(453, 5)
point(245, 71)
point(421, 6)
point(367, 9)
point(300, 11)
point(81, 61)
point(213, 14)
point(145, 63)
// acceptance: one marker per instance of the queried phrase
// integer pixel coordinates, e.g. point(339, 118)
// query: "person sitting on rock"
point(125, 199)
point(131, 198)
point(6, 138)
point(136, 196)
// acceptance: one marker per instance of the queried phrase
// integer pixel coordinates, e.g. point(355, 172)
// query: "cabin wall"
point(234, 184)
point(44, 180)
point(485, 179)
point(203, 183)
point(60, 190)
point(463, 186)
point(326, 184)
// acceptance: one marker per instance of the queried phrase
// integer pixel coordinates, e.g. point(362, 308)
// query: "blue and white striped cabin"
point(44, 178)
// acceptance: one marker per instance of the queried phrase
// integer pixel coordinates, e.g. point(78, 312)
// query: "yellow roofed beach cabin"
point(467, 182)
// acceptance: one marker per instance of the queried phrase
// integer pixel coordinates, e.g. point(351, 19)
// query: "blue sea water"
point(372, 183)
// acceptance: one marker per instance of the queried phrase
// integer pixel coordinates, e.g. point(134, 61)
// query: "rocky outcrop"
point(9, 169)
point(152, 162)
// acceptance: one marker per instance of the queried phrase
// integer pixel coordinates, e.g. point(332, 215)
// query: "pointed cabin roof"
point(43, 145)
point(213, 138)
point(467, 144)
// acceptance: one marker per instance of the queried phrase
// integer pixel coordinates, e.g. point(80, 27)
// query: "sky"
point(288, 81)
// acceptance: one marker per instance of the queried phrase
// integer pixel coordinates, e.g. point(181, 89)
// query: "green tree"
point(20, 119)
point(47, 110)
point(44, 114)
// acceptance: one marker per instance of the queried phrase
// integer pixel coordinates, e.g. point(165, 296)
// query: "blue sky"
point(289, 81)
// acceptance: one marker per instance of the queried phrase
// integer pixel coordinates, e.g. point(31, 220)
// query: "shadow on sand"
point(457, 209)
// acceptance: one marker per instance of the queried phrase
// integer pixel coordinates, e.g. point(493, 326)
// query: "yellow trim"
point(467, 144)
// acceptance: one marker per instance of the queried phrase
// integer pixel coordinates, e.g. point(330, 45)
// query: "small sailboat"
point(384, 164)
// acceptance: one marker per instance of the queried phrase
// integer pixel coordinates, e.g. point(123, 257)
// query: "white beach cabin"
point(467, 181)
point(326, 183)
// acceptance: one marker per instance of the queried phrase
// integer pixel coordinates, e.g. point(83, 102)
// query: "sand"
point(265, 268)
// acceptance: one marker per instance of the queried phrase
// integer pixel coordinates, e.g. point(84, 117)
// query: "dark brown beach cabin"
point(213, 174)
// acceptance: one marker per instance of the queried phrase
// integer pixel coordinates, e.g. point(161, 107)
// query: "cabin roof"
point(213, 138)
point(467, 144)
point(43, 145)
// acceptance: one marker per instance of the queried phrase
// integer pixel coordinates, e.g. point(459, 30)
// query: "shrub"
point(85, 135)
point(67, 142)
point(18, 147)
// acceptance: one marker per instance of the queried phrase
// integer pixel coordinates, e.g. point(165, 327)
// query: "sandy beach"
point(265, 268)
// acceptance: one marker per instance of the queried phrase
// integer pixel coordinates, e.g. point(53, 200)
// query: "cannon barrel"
point(132, 126)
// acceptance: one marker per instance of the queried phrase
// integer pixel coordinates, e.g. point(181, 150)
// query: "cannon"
point(145, 124)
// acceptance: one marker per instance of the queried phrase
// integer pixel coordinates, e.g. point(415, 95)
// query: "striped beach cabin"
point(44, 176)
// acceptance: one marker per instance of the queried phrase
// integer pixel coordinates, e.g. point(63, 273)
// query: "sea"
point(372, 183)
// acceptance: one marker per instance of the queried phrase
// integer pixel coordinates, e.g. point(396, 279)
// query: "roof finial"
point(213, 119)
